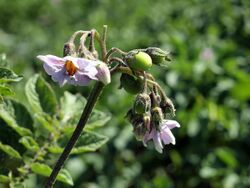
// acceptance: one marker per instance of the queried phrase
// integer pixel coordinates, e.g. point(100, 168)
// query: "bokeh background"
point(208, 81)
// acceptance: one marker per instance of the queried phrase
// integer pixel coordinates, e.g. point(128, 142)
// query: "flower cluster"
point(149, 119)
point(150, 113)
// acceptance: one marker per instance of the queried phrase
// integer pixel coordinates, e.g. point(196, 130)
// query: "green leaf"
point(5, 91)
point(97, 119)
point(44, 120)
point(45, 170)
point(9, 136)
point(17, 185)
point(241, 90)
point(16, 116)
point(227, 156)
point(40, 95)
point(71, 115)
point(4, 179)
point(88, 141)
point(7, 75)
point(67, 112)
point(29, 143)
point(64, 176)
point(10, 151)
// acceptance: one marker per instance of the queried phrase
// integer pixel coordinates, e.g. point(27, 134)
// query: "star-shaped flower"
point(75, 71)
point(163, 135)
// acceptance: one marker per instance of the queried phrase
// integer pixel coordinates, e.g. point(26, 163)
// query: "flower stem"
point(125, 70)
point(113, 50)
point(92, 99)
point(165, 98)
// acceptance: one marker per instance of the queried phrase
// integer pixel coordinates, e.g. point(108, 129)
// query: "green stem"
point(113, 50)
point(102, 42)
point(125, 70)
point(92, 99)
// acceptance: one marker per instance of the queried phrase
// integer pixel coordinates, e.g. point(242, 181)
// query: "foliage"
point(208, 80)
point(28, 140)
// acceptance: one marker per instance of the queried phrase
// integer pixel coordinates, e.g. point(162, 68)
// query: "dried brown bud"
point(69, 49)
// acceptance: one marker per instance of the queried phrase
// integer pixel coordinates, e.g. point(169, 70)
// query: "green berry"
point(131, 84)
point(140, 61)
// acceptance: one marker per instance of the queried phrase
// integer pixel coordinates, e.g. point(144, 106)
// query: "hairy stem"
point(113, 50)
point(92, 99)
point(125, 70)
point(72, 38)
point(102, 41)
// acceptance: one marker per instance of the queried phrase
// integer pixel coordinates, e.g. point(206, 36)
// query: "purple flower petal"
point(51, 64)
point(82, 79)
point(103, 73)
point(51, 69)
point(84, 63)
point(167, 136)
point(157, 142)
point(171, 124)
point(90, 71)
point(59, 77)
point(148, 136)
point(51, 59)
point(163, 135)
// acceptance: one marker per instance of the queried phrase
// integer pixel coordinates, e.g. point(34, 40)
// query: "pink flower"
point(163, 135)
point(207, 54)
point(75, 71)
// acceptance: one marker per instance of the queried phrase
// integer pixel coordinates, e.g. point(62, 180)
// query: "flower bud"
point(103, 74)
point(131, 84)
point(141, 126)
point(133, 118)
point(139, 131)
point(157, 116)
point(155, 99)
point(158, 55)
point(142, 103)
point(167, 105)
point(147, 121)
point(138, 60)
point(69, 49)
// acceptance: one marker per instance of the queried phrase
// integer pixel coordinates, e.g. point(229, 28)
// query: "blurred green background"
point(208, 81)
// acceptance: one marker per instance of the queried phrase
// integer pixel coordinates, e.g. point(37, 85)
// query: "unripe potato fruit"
point(141, 61)
point(131, 84)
